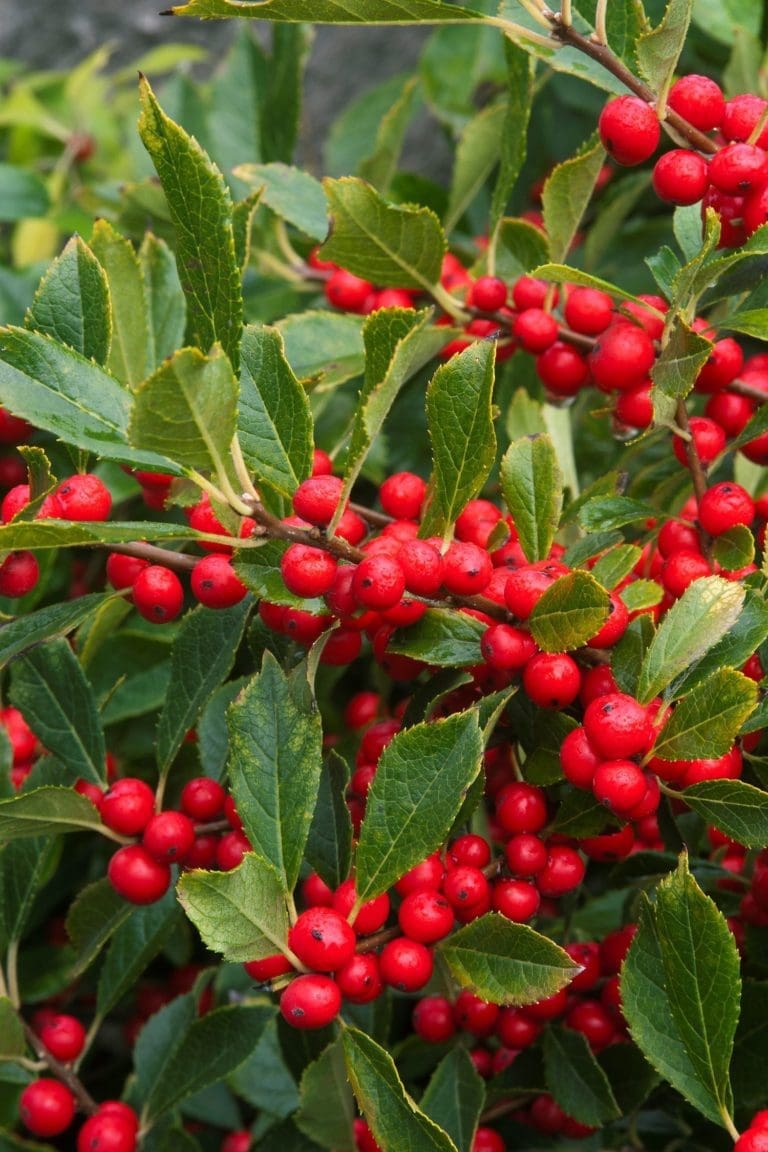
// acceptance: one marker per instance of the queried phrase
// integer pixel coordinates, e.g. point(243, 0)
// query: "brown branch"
point(61, 1071)
point(165, 556)
point(748, 390)
point(698, 474)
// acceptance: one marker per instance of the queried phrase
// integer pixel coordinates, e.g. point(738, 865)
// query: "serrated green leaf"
point(576, 1080)
point(327, 1106)
point(135, 943)
point(265, 1081)
point(532, 487)
point(47, 811)
point(241, 913)
point(25, 867)
point(520, 79)
point(505, 962)
point(204, 650)
point(165, 300)
point(201, 210)
point(62, 392)
point(735, 548)
point(702, 616)
point(395, 1120)
point(420, 783)
point(683, 356)
point(327, 345)
point(275, 763)
point(16, 636)
point(391, 245)
point(460, 422)
point(477, 155)
point(707, 719)
point(22, 194)
point(127, 360)
point(616, 564)
point(40, 475)
point(640, 594)
point(750, 322)
point(334, 12)
point(566, 195)
point(354, 135)
point(12, 1041)
point(579, 814)
point(49, 686)
point(293, 194)
point(329, 846)
point(188, 408)
point(454, 1098)
point(442, 637)
point(72, 303)
point(93, 918)
point(658, 50)
point(564, 274)
point(46, 534)
point(737, 808)
point(569, 613)
point(521, 247)
point(379, 165)
point(607, 512)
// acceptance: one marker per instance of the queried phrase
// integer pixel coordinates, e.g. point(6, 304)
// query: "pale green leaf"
point(532, 487)
point(72, 303)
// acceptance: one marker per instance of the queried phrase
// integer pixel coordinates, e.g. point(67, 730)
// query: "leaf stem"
point(12, 972)
point(241, 468)
point(566, 13)
point(601, 30)
point(443, 298)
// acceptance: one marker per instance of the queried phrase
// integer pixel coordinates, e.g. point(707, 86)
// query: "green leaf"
point(564, 274)
point(191, 1058)
point(748, 1053)
point(442, 637)
point(326, 345)
point(616, 564)
point(135, 943)
point(566, 196)
point(520, 79)
point(641, 594)
point(395, 1120)
point(25, 866)
point(579, 814)
point(241, 913)
point(188, 408)
point(532, 487)
point(201, 210)
point(750, 322)
point(127, 360)
point(370, 118)
point(707, 719)
point(606, 512)
point(165, 300)
point(72, 303)
point(274, 420)
point(521, 247)
point(737, 808)
point(391, 245)
point(504, 962)
point(658, 50)
point(683, 356)
point(705, 612)
point(47, 811)
point(460, 422)
point(329, 846)
point(265, 1081)
point(398, 343)
point(420, 783)
point(22, 194)
point(43, 534)
point(379, 166)
point(25, 632)
point(576, 1080)
point(59, 704)
point(630, 1075)
point(62, 392)
point(275, 763)
point(735, 548)
point(477, 154)
point(291, 193)
point(93, 918)
point(203, 652)
point(333, 11)
point(569, 613)
point(454, 1098)
point(327, 1106)
point(12, 1041)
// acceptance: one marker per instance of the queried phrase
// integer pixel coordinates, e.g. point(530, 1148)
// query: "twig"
point(61, 1072)
point(698, 475)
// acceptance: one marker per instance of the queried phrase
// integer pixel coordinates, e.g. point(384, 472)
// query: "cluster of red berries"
point(732, 179)
point(47, 1108)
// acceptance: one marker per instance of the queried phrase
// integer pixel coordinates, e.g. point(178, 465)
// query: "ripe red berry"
point(123, 570)
point(13, 429)
point(359, 979)
point(19, 573)
point(527, 585)
point(634, 408)
point(681, 569)
point(535, 329)
point(708, 437)
point(526, 854)
point(63, 1036)
point(427, 874)
point(422, 566)
point(467, 568)
point(488, 293)
point(629, 129)
point(238, 1141)
point(753, 1140)
point(84, 497)
point(268, 967)
point(521, 807)
point(725, 505)
point(474, 1015)
point(346, 291)
point(127, 806)
point(518, 900)
point(137, 876)
point(169, 836)
point(46, 1107)
point(619, 784)
point(622, 357)
point(214, 582)
point(680, 176)
point(698, 100)
point(373, 913)
point(738, 169)
point(158, 594)
point(379, 582)
point(202, 798)
point(310, 1001)
point(563, 871)
point(552, 679)
point(562, 369)
point(426, 916)
point(487, 1140)
point(588, 310)
point(433, 1019)
point(402, 495)
point(405, 964)
point(468, 849)
point(725, 363)
point(740, 118)
point(322, 939)
point(307, 571)
point(316, 499)
point(107, 1131)
point(517, 1029)
point(617, 726)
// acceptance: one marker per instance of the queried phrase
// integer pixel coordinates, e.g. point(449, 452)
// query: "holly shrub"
point(383, 759)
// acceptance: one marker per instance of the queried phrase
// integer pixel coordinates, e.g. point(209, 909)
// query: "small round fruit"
point(46, 1107)
point(310, 1001)
point(158, 594)
point(127, 806)
point(405, 964)
point(629, 129)
point(215, 583)
point(137, 876)
point(169, 837)
point(322, 939)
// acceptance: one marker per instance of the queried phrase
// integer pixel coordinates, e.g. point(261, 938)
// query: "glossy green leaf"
point(394, 1118)
point(737, 808)
point(62, 392)
point(72, 303)
point(454, 1098)
point(47, 811)
point(735, 548)
point(379, 165)
point(520, 80)
point(658, 49)
point(204, 650)
point(133, 946)
point(477, 155)
point(460, 422)
point(442, 637)
point(128, 349)
point(12, 1041)
point(16, 636)
point(532, 487)
point(201, 210)
point(750, 322)
point(25, 867)
point(165, 300)
point(569, 613)
point(640, 594)
point(749, 1048)
point(505, 962)
point(265, 1081)
point(707, 719)
point(188, 409)
point(606, 512)
point(324, 345)
point(49, 686)
point(420, 783)
point(292, 193)
point(521, 247)
point(274, 767)
point(327, 1106)
point(683, 356)
point(386, 243)
point(705, 612)
point(567, 193)
point(22, 194)
point(576, 1080)
point(93, 918)
point(333, 11)
point(241, 913)
point(274, 423)
point(329, 846)
point(564, 274)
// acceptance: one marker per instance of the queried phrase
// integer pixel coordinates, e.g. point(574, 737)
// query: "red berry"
point(214, 582)
point(622, 357)
point(322, 939)
point(348, 292)
point(405, 964)
point(562, 369)
point(708, 437)
point(618, 726)
point(516, 1029)
point(137, 876)
point(63, 1036)
point(107, 1131)
point(428, 874)
point(426, 916)
point(741, 116)
point(123, 570)
point(46, 1107)
point(487, 1140)
point(466, 887)
point(629, 129)
point(524, 588)
point(725, 505)
point(239, 1141)
point(488, 293)
point(738, 169)
point(526, 854)
point(307, 571)
point(359, 979)
point(521, 807)
point(588, 310)
point(402, 495)
point(593, 1021)
point(316, 499)
point(202, 798)
point(169, 836)
point(310, 1001)
point(619, 784)
point(373, 913)
point(315, 892)
point(563, 871)
point(158, 594)
point(724, 365)
point(268, 967)
point(698, 100)
point(467, 569)
point(552, 679)
point(474, 1015)
point(13, 429)
point(19, 573)
point(127, 806)
point(84, 497)
point(518, 900)
point(433, 1019)
point(469, 849)
point(422, 567)
point(379, 582)
point(680, 176)
point(535, 329)
point(681, 569)
point(753, 1140)
point(634, 408)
